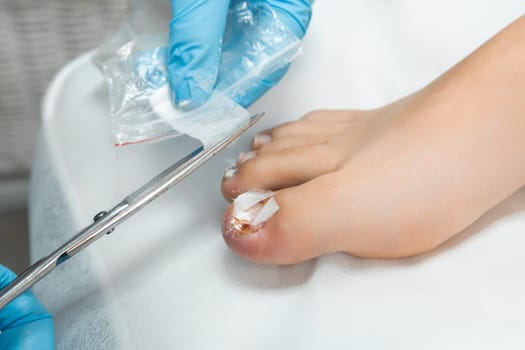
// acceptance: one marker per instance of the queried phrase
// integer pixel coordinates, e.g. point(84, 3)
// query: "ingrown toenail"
point(244, 157)
point(251, 210)
point(230, 172)
point(261, 140)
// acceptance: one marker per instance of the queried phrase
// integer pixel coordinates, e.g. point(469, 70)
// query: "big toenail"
point(261, 140)
point(230, 172)
point(244, 157)
point(251, 210)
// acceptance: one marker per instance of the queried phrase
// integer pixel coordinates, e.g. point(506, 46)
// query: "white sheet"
point(165, 279)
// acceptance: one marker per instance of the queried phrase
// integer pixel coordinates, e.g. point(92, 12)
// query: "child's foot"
point(392, 182)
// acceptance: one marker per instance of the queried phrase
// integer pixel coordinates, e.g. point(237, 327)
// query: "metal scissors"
point(106, 221)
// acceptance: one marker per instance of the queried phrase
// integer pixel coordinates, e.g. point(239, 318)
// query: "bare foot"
point(392, 182)
point(386, 183)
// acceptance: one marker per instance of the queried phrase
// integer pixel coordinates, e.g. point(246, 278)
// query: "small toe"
point(292, 141)
point(305, 128)
point(276, 170)
point(314, 127)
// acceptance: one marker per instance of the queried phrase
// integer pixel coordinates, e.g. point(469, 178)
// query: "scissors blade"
point(105, 222)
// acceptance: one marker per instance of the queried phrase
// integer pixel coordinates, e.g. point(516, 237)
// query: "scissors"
point(106, 221)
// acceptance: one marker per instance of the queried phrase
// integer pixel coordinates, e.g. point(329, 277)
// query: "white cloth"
point(166, 280)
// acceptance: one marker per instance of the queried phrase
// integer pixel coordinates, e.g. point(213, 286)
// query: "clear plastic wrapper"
point(134, 65)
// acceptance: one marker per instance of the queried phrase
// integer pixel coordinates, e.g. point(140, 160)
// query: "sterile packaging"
point(134, 65)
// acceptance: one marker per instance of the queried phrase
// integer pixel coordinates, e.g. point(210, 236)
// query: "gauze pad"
point(210, 123)
point(252, 209)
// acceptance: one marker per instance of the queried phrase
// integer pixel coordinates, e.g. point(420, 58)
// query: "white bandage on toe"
point(230, 172)
point(252, 209)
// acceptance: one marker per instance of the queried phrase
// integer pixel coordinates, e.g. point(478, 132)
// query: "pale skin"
point(396, 181)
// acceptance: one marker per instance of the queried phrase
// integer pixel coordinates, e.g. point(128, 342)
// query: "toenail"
point(251, 210)
point(261, 140)
point(244, 157)
point(230, 172)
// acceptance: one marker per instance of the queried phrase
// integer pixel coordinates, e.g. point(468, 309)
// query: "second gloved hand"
point(194, 53)
point(24, 323)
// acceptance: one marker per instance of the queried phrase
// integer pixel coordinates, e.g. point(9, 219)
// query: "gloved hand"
point(196, 32)
point(24, 323)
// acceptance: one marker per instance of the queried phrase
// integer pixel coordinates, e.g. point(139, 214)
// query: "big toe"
point(287, 226)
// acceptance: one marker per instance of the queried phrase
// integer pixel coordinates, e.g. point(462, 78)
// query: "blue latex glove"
point(196, 33)
point(24, 322)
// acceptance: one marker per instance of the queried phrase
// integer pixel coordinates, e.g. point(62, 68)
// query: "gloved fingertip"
point(189, 95)
point(6, 276)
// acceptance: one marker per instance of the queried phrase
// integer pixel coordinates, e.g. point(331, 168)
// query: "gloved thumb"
point(296, 16)
point(194, 51)
point(24, 322)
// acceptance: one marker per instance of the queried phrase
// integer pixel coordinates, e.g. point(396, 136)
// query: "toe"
point(298, 231)
point(315, 127)
point(338, 211)
point(276, 170)
point(292, 141)
point(331, 116)
point(306, 127)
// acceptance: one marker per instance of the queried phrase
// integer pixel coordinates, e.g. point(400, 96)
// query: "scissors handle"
point(105, 222)
point(44, 266)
